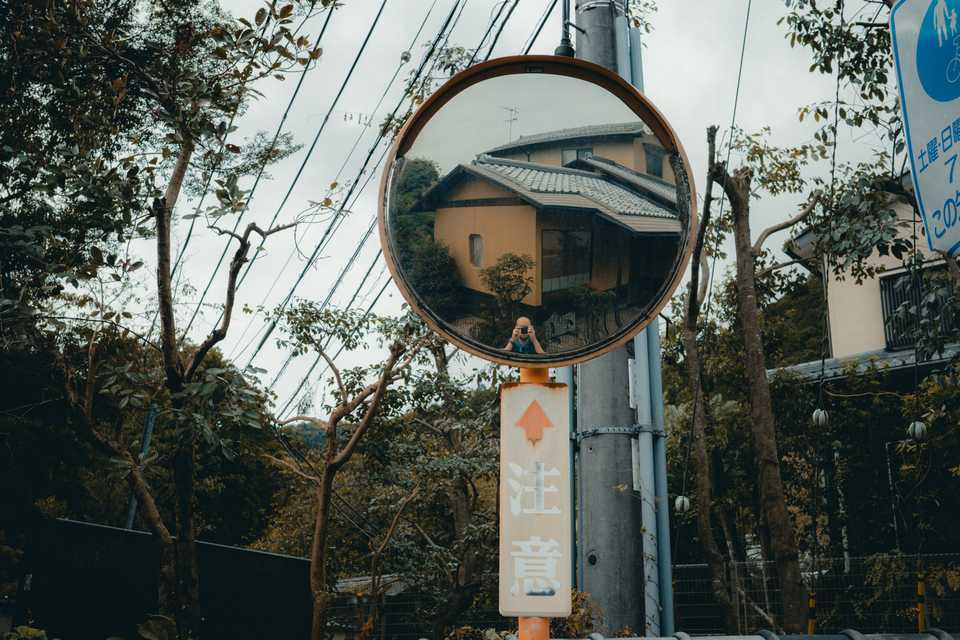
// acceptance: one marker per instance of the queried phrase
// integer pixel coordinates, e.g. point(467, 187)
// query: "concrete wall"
point(856, 314)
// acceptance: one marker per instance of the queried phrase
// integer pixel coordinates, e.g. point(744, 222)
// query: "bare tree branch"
point(396, 519)
point(239, 258)
point(317, 422)
point(695, 299)
point(786, 224)
point(433, 428)
point(292, 467)
point(163, 211)
point(380, 389)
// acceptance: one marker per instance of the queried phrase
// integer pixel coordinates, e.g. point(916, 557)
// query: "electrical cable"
point(536, 34)
point(367, 235)
point(336, 179)
point(328, 235)
point(326, 301)
point(271, 326)
point(473, 57)
point(500, 30)
point(709, 302)
point(299, 173)
point(299, 388)
point(181, 253)
point(824, 342)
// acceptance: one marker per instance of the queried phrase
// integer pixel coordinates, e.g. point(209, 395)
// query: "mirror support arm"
point(566, 47)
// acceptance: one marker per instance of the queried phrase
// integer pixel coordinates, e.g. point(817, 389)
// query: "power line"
point(326, 301)
point(206, 187)
point(486, 33)
point(196, 214)
point(313, 257)
point(543, 20)
point(330, 231)
point(500, 30)
point(339, 351)
point(343, 166)
point(446, 39)
point(709, 304)
point(296, 177)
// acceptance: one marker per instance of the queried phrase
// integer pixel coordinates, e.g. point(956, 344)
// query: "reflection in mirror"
point(536, 214)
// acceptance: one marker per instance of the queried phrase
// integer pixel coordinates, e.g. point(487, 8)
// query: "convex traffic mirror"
point(537, 211)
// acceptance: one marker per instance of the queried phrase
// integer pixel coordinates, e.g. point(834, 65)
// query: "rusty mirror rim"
point(551, 65)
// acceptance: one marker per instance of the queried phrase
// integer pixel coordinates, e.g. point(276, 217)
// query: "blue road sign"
point(926, 50)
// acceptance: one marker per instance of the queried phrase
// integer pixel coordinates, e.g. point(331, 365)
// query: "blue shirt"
point(523, 346)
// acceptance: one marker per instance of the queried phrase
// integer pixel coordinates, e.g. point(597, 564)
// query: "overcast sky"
point(476, 120)
point(690, 70)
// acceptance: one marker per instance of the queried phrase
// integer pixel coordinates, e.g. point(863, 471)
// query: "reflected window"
point(476, 249)
point(565, 259)
point(654, 156)
point(569, 155)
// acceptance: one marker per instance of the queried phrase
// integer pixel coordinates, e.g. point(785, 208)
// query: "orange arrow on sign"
point(534, 421)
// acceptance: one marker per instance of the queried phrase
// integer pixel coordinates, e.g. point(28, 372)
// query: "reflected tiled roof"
point(547, 179)
point(634, 128)
point(645, 181)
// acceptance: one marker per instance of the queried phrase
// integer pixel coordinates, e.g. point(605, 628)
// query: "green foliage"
point(417, 176)
point(509, 279)
point(23, 632)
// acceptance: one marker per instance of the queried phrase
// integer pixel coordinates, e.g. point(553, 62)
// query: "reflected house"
point(592, 222)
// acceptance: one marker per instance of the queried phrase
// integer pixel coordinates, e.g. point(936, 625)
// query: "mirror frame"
point(515, 65)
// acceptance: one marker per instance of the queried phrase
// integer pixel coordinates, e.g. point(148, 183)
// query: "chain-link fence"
point(872, 594)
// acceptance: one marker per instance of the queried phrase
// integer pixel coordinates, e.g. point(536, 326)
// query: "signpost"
point(528, 254)
point(535, 545)
point(926, 49)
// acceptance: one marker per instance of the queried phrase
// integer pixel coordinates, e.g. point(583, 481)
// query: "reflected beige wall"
point(629, 153)
point(510, 228)
point(856, 313)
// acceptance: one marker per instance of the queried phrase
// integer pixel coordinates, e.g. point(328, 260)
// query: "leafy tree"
point(356, 408)
point(114, 102)
point(510, 281)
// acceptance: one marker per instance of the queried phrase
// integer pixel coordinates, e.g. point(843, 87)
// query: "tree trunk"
point(167, 582)
point(318, 555)
point(187, 577)
point(763, 425)
point(188, 582)
point(720, 580)
point(465, 586)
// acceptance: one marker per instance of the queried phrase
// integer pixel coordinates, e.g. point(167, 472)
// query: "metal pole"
point(565, 375)
point(664, 566)
point(645, 486)
point(144, 448)
point(610, 540)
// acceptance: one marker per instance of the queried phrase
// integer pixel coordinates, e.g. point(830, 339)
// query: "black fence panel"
point(91, 582)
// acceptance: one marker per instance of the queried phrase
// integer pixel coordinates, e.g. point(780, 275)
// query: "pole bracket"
point(630, 430)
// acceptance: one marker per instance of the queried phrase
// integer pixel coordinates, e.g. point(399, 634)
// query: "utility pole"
point(623, 545)
point(609, 549)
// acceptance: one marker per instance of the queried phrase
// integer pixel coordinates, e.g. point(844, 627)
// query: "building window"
point(896, 292)
point(654, 156)
point(565, 259)
point(569, 155)
point(476, 249)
